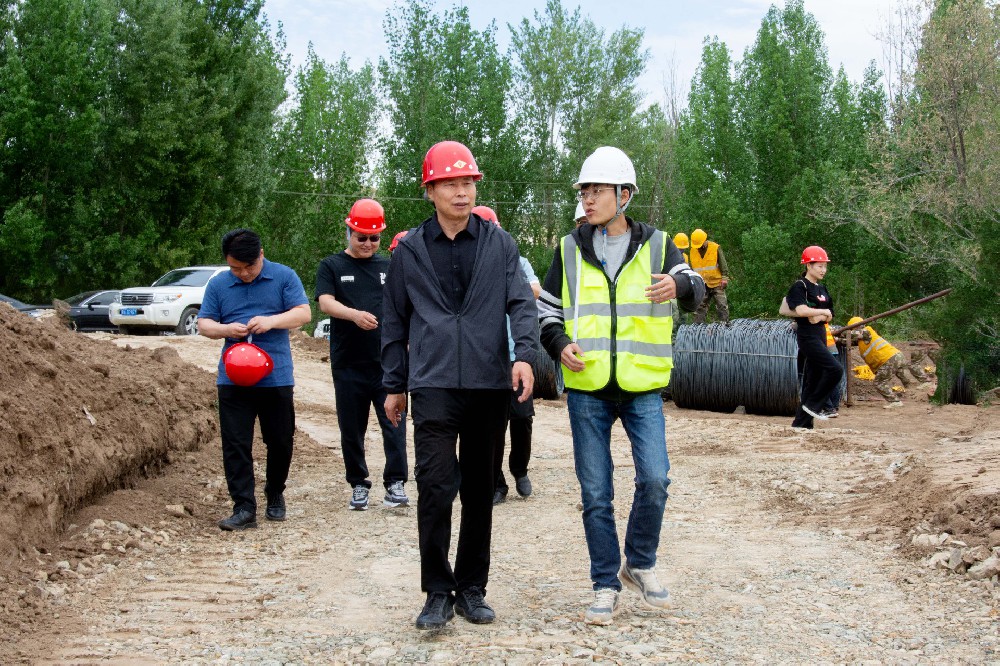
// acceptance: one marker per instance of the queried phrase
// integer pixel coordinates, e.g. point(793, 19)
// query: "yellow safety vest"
point(707, 266)
point(830, 342)
point(877, 351)
point(618, 328)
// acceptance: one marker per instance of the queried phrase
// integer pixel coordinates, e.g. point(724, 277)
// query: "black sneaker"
point(275, 507)
point(499, 496)
point(523, 485)
point(240, 520)
point(438, 609)
point(470, 604)
point(359, 498)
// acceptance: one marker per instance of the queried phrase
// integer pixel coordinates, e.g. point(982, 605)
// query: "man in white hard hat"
point(606, 313)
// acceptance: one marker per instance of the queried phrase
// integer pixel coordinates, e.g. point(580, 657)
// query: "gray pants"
point(721, 306)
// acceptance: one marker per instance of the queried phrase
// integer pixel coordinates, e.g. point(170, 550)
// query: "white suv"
point(171, 304)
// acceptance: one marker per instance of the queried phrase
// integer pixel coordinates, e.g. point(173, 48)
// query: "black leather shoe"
point(471, 605)
point(523, 485)
point(240, 520)
point(275, 508)
point(439, 608)
point(499, 496)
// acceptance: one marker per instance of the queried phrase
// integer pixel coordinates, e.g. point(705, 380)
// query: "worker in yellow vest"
point(707, 258)
point(888, 364)
point(682, 243)
point(606, 313)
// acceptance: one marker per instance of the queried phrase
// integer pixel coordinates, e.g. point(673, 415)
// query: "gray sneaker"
point(395, 495)
point(359, 499)
point(645, 582)
point(602, 611)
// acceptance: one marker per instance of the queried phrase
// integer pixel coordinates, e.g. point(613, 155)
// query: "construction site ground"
point(869, 539)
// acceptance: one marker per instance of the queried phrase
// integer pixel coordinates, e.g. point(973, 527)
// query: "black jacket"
point(426, 344)
point(690, 289)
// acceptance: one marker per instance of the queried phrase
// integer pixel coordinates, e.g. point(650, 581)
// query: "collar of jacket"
point(584, 235)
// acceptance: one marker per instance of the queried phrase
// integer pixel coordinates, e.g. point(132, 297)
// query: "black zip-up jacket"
point(426, 344)
point(690, 291)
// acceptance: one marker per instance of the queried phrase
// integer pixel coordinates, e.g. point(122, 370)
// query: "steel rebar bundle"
point(750, 362)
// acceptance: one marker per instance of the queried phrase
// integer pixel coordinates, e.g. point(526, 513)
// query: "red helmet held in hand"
point(246, 364)
point(487, 214)
point(366, 217)
point(814, 253)
point(449, 159)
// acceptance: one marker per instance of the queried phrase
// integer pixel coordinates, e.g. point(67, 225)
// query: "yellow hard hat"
point(681, 241)
point(854, 320)
point(698, 238)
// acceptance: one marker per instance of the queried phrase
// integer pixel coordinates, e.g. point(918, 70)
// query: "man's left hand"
point(260, 324)
point(522, 376)
point(663, 290)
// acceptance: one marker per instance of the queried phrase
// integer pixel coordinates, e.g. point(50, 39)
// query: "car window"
point(104, 298)
point(76, 299)
point(186, 277)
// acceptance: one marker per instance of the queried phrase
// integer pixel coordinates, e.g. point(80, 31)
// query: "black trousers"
point(356, 390)
point(475, 420)
point(522, 416)
point(821, 373)
point(239, 408)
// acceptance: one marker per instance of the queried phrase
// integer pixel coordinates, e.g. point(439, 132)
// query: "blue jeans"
point(591, 419)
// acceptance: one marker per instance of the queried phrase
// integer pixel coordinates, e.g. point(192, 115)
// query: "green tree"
point(934, 195)
point(324, 148)
point(443, 80)
point(135, 131)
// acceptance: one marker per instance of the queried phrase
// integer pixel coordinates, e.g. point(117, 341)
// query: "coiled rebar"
point(750, 362)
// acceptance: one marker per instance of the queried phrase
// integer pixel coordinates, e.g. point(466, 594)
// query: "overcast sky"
point(674, 30)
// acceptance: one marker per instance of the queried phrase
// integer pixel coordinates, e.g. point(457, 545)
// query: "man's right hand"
point(395, 406)
point(572, 357)
point(237, 330)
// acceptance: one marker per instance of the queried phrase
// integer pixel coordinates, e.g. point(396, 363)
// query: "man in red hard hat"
point(452, 282)
point(349, 289)
point(262, 299)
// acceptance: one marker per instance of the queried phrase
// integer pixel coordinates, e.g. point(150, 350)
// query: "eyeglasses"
point(373, 238)
point(592, 193)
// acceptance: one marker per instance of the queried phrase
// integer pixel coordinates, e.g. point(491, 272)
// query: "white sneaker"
point(359, 498)
point(645, 582)
point(602, 611)
point(816, 414)
point(894, 405)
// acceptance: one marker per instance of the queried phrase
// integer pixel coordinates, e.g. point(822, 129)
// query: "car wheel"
point(189, 322)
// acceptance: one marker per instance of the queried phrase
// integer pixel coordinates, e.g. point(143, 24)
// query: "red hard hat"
point(487, 214)
point(814, 253)
point(395, 239)
point(449, 159)
point(246, 363)
point(366, 217)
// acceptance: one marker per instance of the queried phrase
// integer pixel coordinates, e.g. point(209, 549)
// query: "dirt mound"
point(81, 418)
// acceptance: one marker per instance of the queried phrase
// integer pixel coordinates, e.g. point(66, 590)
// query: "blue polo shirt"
point(277, 289)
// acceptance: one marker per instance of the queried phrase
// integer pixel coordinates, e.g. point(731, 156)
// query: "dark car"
point(32, 310)
point(89, 311)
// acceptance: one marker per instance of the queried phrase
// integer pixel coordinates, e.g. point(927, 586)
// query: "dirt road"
point(778, 546)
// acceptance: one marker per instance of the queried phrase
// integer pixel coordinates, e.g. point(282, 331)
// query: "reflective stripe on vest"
point(708, 266)
point(625, 330)
point(876, 352)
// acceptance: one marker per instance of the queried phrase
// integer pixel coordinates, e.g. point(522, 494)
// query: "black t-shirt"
point(357, 283)
point(804, 292)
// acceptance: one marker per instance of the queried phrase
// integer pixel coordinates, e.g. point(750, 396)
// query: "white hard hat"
point(607, 165)
point(579, 212)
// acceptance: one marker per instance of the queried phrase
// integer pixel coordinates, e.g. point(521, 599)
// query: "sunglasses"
point(373, 238)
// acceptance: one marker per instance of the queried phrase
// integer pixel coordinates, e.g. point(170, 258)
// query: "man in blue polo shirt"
point(262, 300)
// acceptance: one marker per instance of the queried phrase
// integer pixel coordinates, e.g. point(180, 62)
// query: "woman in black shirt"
point(812, 308)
